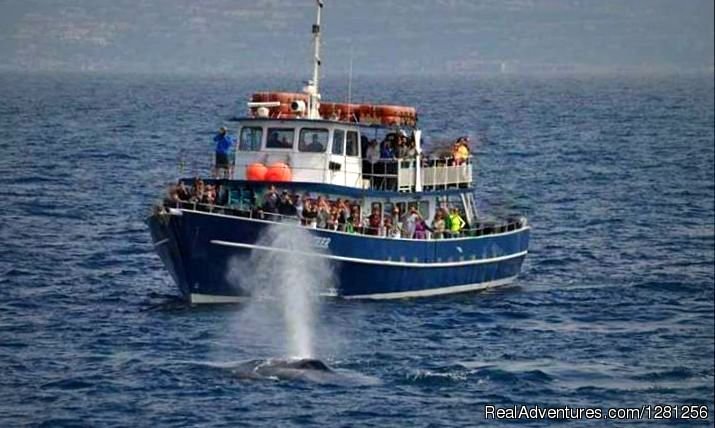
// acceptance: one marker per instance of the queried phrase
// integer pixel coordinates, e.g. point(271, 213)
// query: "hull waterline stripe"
point(434, 291)
point(198, 298)
point(371, 261)
point(208, 298)
point(162, 242)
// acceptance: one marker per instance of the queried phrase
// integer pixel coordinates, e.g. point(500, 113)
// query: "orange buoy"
point(256, 172)
point(279, 172)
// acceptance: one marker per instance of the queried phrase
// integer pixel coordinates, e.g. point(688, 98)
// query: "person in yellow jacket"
point(460, 151)
point(456, 222)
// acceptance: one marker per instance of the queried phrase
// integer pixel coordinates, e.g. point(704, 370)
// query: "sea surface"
point(614, 307)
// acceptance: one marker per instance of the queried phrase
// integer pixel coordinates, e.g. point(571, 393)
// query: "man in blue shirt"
point(224, 142)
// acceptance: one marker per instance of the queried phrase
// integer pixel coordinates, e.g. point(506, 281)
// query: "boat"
point(380, 222)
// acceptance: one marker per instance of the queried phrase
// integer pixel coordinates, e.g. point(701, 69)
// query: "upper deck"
point(337, 152)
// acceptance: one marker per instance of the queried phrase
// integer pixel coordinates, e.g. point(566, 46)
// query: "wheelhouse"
point(317, 151)
point(334, 152)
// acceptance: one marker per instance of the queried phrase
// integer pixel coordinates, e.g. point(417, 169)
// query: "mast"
point(313, 86)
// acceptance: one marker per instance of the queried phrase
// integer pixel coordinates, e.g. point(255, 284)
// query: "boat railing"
point(434, 174)
point(511, 223)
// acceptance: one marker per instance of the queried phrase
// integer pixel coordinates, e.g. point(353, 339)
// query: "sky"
point(243, 37)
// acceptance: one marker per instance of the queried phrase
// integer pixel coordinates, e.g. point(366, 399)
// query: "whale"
point(299, 368)
point(310, 370)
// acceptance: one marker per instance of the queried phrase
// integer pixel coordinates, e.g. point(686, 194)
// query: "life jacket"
point(455, 222)
point(461, 153)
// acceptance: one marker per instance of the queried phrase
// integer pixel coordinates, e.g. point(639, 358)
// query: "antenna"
point(350, 80)
point(313, 86)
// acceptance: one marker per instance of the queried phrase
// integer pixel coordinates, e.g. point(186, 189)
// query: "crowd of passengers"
point(322, 213)
point(397, 145)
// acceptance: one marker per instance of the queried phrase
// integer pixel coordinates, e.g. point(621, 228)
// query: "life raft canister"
point(371, 114)
point(389, 115)
point(347, 112)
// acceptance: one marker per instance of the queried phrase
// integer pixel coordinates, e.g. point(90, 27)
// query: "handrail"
point(389, 171)
point(489, 228)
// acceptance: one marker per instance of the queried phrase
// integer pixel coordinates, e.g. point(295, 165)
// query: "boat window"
point(352, 148)
point(250, 139)
point(313, 140)
point(280, 138)
point(338, 142)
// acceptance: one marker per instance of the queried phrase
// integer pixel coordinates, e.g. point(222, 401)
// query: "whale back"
point(309, 364)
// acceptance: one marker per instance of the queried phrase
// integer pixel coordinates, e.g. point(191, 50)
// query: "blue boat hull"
point(197, 249)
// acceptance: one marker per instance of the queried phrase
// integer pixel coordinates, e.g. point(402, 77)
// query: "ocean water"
point(614, 307)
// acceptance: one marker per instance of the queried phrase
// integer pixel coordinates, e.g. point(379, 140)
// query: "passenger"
point(389, 165)
point(323, 202)
point(270, 203)
point(285, 205)
point(409, 223)
point(298, 204)
point(364, 143)
point(315, 145)
point(387, 151)
point(372, 154)
point(199, 185)
point(354, 222)
point(438, 225)
point(323, 216)
point(456, 223)
point(447, 221)
point(310, 214)
point(209, 195)
point(386, 226)
point(224, 142)
point(347, 210)
point(221, 195)
point(374, 220)
point(391, 228)
point(343, 212)
point(460, 150)
point(183, 192)
point(350, 225)
point(273, 140)
point(411, 149)
point(421, 228)
point(401, 145)
point(333, 223)
point(371, 165)
point(197, 191)
point(172, 196)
